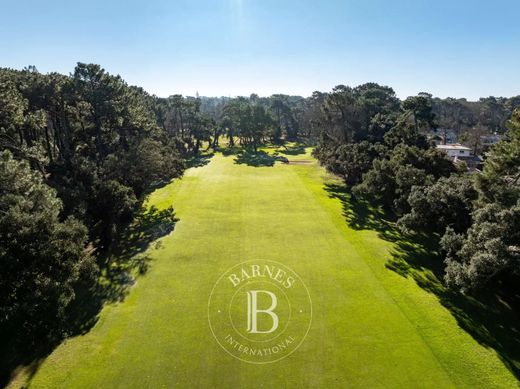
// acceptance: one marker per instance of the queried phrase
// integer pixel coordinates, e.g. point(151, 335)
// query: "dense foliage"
point(489, 113)
point(42, 258)
point(382, 153)
point(80, 152)
point(447, 202)
point(250, 121)
point(373, 141)
point(491, 245)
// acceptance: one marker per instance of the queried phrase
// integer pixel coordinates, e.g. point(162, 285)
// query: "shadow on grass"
point(231, 150)
point(490, 316)
point(200, 160)
point(127, 260)
point(296, 149)
point(361, 215)
point(258, 158)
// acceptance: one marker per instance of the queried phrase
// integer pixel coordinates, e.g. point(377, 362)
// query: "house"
point(455, 150)
point(461, 154)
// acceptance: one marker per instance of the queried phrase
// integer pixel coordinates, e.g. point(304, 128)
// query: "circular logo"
point(259, 311)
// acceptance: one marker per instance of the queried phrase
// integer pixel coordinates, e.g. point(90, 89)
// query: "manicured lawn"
point(371, 327)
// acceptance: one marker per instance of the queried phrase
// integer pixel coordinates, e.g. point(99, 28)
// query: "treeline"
point(488, 114)
point(79, 153)
point(377, 144)
point(298, 117)
point(258, 120)
point(255, 120)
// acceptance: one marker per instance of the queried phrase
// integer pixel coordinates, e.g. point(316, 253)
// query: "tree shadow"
point(296, 149)
point(231, 150)
point(258, 158)
point(199, 160)
point(490, 315)
point(127, 259)
point(362, 215)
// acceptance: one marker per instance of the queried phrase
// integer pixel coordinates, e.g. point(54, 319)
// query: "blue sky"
point(458, 48)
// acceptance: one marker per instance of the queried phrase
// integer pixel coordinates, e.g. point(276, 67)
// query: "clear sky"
point(458, 48)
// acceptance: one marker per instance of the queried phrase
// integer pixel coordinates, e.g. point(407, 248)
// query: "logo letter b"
point(252, 311)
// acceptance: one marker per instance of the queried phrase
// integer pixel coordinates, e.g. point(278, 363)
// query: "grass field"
point(371, 328)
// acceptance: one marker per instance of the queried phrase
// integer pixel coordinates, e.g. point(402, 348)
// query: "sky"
point(450, 48)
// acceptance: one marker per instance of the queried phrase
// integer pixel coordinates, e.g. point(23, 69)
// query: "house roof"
point(454, 146)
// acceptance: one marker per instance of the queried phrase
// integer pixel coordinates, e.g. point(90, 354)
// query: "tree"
point(392, 177)
point(235, 115)
point(500, 180)
point(446, 203)
point(250, 121)
point(259, 124)
point(419, 108)
point(41, 257)
point(490, 247)
point(83, 131)
point(350, 160)
point(312, 117)
point(341, 114)
point(378, 106)
point(456, 114)
point(12, 110)
point(283, 118)
point(493, 113)
point(404, 133)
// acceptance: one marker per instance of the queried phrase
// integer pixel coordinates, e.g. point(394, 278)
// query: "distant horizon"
point(462, 49)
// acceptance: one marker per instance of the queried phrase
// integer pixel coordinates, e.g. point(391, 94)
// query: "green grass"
point(372, 328)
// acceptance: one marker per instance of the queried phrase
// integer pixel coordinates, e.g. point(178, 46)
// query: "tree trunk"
point(48, 144)
point(197, 147)
point(231, 140)
point(216, 136)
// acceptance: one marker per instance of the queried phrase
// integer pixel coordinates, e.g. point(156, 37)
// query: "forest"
point(80, 152)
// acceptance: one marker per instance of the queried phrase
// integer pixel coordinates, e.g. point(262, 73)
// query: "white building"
point(462, 154)
point(455, 150)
